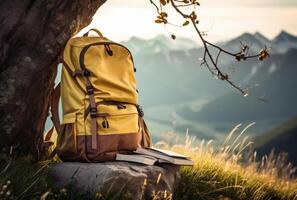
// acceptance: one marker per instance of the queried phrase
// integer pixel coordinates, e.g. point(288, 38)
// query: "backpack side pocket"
point(66, 142)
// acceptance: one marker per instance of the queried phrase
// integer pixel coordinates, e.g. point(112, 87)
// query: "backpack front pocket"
point(117, 130)
point(114, 120)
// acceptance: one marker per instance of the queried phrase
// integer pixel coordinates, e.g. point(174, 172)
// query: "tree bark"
point(32, 36)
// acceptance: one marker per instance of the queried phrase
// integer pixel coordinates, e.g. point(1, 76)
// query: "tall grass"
point(229, 171)
point(232, 171)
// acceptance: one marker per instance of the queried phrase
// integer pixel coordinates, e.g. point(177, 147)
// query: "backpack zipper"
point(105, 123)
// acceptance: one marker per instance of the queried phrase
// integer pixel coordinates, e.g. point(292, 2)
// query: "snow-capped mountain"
point(280, 44)
point(160, 43)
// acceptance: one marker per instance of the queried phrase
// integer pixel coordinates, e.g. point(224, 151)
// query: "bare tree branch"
point(208, 58)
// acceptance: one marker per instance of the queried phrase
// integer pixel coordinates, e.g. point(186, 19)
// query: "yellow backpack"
point(101, 115)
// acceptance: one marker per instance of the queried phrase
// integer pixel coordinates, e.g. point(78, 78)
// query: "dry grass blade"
point(28, 188)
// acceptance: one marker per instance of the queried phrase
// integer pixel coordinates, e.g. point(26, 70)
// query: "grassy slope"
point(214, 177)
point(277, 133)
point(217, 174)
point(210, 178)
point(281, 139)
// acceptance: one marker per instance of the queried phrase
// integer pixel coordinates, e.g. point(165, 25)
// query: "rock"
point(135, 181)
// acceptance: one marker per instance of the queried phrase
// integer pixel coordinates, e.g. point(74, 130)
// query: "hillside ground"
point(218, 173)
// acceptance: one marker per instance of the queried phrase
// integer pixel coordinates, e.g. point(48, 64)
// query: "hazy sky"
point(223, 19)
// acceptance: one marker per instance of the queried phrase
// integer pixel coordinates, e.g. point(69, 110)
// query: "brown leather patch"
point(71, 147)
point(108, 146)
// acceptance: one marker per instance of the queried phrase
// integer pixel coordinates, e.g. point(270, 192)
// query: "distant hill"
point(273, 95)
point(169, 69)
point(281, 139)
point(176, 90)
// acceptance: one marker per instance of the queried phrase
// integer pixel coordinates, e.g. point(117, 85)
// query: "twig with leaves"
point(209, 60)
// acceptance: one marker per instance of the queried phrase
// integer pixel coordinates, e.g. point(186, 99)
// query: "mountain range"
point(280, 44)
point(273, 94)
point(161, 43)
point(177, 93)
point(158, 44)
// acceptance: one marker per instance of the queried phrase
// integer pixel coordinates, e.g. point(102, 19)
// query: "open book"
point(147, 160)
point(150, 156)
point(165, 156)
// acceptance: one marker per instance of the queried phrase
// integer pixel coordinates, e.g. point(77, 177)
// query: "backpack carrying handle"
point(95, 30)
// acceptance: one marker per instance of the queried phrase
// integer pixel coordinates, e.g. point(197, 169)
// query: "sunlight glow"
point(121, 20)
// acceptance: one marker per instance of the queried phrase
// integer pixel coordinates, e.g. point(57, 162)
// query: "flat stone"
point(136, 181)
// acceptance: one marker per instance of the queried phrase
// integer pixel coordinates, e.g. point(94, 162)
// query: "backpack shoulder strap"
point(83, 72)
point(54, 109)
point(54, 104)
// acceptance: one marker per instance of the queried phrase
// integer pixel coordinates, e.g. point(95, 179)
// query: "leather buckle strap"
point(120, 105)
point(93, 112)
point(85, 73)
point(90, 89)
point(94, 129)
point(77, 73)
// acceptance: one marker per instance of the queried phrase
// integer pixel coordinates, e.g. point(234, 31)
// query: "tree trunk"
point(32, 36)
